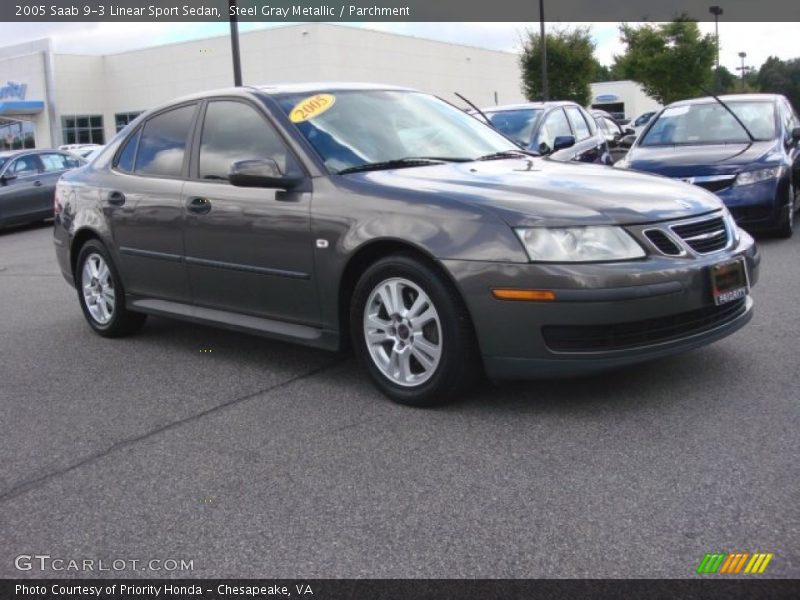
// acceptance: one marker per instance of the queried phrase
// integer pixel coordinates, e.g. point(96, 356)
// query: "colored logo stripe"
point(722, 562)
point(758, 563)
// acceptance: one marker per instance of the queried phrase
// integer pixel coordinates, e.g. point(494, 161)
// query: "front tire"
point(411, 332)
point(101, 295)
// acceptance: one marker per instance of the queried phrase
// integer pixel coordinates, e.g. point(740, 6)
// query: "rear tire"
point(101, 294)
point(411, 332)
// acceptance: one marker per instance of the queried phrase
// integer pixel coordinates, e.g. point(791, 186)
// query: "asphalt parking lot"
point(254, 458)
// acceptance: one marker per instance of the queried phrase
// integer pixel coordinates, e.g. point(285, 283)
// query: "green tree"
point(571, 65)
point(781, 77)
point(671, 61)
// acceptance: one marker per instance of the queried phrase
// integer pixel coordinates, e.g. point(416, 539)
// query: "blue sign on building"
point(13, 90)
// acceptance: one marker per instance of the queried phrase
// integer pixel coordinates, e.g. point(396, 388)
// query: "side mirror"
point(8, 177)
point(796, 134)
point(563, 141)
point(627, 141)
point(629, 131)
point(263, 172)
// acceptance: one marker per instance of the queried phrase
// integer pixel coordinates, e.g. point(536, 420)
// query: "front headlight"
point(750, 177)
point(579, 244)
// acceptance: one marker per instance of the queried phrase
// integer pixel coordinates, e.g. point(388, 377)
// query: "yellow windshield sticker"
point(311, 107)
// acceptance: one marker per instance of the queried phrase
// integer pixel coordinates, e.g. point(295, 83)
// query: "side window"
point(555, 124)
point(125, 159)
point(603, 125)
point(25, 165)
point(53, 162)
point(234, 131)
point(163, 143)
point(579, 124)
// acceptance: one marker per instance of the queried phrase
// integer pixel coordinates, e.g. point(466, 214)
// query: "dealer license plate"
point(729, 281)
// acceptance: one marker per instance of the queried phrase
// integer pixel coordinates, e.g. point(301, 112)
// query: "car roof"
point(729, 97)
point(524, 105)
point(13, 153)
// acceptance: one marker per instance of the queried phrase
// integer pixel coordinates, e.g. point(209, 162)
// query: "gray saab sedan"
point(389, 221)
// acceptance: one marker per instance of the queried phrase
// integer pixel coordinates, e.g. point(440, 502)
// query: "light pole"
point(716, 11)
point(237, 63)
point(743, 69)
point(545, 90)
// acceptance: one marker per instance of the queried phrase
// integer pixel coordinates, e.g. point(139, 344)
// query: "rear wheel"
point(411, 332)
point(101, 295)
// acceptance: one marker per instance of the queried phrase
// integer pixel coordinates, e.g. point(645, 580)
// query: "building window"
point(83, 129)
point(15, 135)
point(122, 119)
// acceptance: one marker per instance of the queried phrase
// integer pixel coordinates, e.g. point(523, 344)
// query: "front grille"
point(622, 336)
point(704, 236)
point(661, 241)
point(715, 186)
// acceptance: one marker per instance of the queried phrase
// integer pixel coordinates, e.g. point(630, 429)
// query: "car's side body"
point(28, 181)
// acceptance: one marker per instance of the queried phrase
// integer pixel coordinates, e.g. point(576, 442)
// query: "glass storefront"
point(15, 135)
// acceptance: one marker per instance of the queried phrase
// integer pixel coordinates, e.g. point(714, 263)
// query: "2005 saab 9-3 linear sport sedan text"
point(391, 221)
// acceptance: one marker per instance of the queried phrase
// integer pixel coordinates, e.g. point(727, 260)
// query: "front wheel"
point(411, 332)
point(101, 295)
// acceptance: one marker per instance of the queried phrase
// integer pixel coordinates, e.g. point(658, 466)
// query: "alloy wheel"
point(98, 289)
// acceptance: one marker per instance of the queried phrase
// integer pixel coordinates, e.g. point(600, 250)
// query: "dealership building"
point(48, 98)
point(626, 97)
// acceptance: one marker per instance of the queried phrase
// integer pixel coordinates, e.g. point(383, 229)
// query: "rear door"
point(142, 198)
point(248, 250)
point(54, 164)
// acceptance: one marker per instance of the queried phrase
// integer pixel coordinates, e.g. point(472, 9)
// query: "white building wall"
point(28, 68)
point(631, 93)
point(141, 79)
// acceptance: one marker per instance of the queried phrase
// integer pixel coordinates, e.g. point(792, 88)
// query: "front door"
point(248, 250)
point(21, 190)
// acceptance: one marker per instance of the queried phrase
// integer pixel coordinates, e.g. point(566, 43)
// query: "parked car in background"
point(616, 136)
point(89, 153)
point(639, 122)
point(562, 130)
point(745, 149)
point(390, 221)
point(28, 182)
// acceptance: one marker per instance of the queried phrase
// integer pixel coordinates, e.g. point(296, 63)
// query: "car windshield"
point(353, 128)
point(710, 123)
point(516, 124)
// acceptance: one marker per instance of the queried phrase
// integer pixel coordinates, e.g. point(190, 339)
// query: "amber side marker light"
point(529, 295)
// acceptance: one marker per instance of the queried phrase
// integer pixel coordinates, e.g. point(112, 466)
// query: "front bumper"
point(651, 308)
point(757, 206)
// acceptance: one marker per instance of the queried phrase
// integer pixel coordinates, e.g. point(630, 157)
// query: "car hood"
point(527, 192)
point(705, 159)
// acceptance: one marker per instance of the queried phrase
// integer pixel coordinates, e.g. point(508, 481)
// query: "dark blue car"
point(745, 149)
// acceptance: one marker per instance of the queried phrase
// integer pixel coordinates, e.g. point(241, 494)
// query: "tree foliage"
point(571, 65)
point(671, 61)
point(777, 76)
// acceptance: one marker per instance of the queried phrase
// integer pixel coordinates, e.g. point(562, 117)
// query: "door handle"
point(116, 198)
point(199, 206)
point(37, 183)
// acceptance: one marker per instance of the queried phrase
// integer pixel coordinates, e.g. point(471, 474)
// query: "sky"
point(758, 40)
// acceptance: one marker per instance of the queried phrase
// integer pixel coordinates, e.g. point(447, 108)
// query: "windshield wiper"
point(733, 114)
point(506, 154)
point(397, 163)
